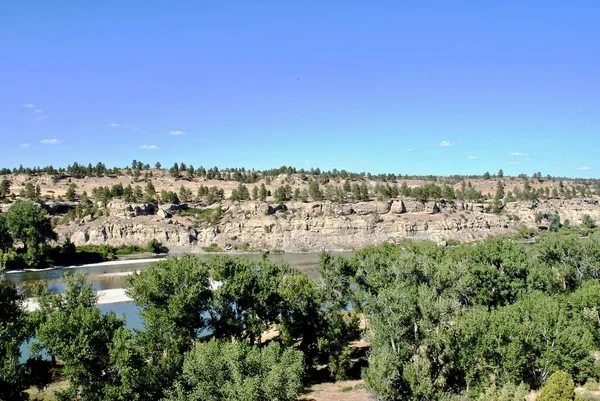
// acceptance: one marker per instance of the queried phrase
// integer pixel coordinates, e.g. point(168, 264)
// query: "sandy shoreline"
point(100, 264)
point(105, 297)
point(113, 296)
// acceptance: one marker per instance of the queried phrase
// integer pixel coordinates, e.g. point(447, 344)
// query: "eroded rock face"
point(119, 208)
point(319, 225)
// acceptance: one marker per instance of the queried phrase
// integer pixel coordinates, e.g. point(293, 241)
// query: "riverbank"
point(105, 297)
point(129, 261)
point(111, 296)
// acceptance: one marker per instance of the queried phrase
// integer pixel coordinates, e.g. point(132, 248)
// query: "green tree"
point(500, 173)
point(314, 190)
point(224, 371)
point(588, 221)
point(560, 387)
point(91, 345)
point(173, 296)
point(14, 376)
point(174, 171)
point(263, 192)
point(70, 194)
point(27, 222)
point(248, 299)
point(150, 192)
point(6, 240)
point(486, 175)
point(497, 205)
point(31, 192)
point(4, 188)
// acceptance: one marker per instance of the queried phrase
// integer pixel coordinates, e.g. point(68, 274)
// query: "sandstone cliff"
point(312, 226)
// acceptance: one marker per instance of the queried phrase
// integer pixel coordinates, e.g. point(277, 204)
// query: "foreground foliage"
point(238, 372)
point(446, 321)
point(473, 322)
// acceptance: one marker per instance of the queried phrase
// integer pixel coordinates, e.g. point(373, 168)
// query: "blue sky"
point(356, 85)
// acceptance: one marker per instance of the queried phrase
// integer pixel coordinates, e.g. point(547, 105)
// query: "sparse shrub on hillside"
point(588, 222)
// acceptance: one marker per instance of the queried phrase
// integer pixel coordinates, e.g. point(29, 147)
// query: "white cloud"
point(585, 168)
point(408, 150)
point(29, 106)
point(136, 128)
point(513, 162)
point(39, 110)
point(446, 144)
point(177, 133)
point(114, 125)
point(24, 145)
point(519, 154)
point(148, 147)
point(472, 157)
point(52, 141)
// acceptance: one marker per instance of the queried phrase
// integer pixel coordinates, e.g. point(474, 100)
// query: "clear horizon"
point(388, 88)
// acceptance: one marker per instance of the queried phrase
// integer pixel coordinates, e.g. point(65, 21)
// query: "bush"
point(129, 250)
point(212, 248)
point(237, 371)
point(154, 246)
point(559, 387)
point(508, 392)
point(588, 222)
point(105, 252)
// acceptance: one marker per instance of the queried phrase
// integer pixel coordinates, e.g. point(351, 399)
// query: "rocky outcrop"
point(319, 225)
point(119, 208)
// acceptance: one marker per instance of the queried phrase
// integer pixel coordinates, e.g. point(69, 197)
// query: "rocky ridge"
point(296, 226)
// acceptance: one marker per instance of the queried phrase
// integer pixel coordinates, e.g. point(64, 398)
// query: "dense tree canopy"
point(472, 322)
point(459, 320)
point(237, 371)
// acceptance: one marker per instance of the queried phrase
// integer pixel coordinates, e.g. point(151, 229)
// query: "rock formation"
point(313, 226)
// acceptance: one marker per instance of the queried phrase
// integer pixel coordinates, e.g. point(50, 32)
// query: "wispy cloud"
point(177, 133)
point(518, 154)
point(114, 125)
point(29, 106)
point(52, 141)
point(514, 162)
point(24, 145)
point(584, 168)
point(445, 144)
point(39, 110)
point(39, 118)
point(409, 150)
point(148, 147)
point(472, 157)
